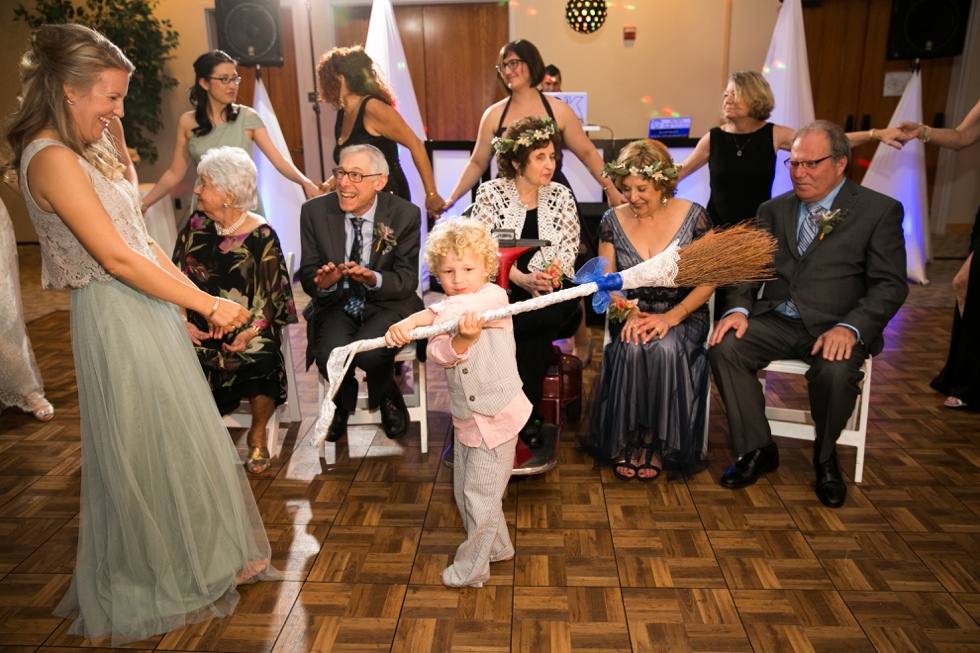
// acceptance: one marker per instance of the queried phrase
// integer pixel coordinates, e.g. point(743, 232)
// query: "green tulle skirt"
point(167, 515)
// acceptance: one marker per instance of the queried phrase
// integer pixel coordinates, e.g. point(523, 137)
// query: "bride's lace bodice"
point(498, 205)
point(64, 262)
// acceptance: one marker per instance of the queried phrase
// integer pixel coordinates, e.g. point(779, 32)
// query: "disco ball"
point(585, 16)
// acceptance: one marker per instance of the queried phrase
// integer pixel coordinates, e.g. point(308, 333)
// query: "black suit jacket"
point(322, 234)
point(855, 275)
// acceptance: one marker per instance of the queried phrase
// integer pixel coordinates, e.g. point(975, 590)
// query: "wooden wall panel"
point(461, 44)
point(282, 84)
point(450, 51)
point(835, 33)
point(411, 27)
point(846, 42)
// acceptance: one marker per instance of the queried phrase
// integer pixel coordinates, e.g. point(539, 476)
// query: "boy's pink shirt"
point(492, 429)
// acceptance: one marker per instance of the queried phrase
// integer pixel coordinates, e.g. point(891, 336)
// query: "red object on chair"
point(507, 256)
point(562, 386)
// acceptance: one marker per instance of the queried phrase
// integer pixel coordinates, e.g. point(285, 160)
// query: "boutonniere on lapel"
point(827, 220)
point(384, 236)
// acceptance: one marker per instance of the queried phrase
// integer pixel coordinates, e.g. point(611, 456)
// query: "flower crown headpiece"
point(656, 172)
point(525, 138)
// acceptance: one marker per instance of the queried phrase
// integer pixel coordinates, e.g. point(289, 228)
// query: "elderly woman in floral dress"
point(230, 252)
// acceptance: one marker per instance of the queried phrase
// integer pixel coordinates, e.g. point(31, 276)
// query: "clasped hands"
point(836, 343)
point(642, 327)
point(330, 274)
point(227, 317)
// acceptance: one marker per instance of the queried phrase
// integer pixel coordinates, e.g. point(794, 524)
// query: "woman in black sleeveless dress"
point(741, 154)
point(349, 80)
point(959, 379)
point(520, 68)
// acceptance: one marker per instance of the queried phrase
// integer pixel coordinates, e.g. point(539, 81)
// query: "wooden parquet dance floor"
point(601, 565)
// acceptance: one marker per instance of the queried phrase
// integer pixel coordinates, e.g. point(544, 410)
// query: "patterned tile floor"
point(601, 565)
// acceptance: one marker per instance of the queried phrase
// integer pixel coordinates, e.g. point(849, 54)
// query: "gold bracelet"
point(925, 134)
point(688, 313)
point(431, 194)
point(214, 309)
point(871, 134)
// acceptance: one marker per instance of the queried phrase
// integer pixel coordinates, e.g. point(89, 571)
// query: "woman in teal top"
point(216, 121)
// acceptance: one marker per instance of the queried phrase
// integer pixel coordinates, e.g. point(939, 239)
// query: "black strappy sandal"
point(627, 462)
point(648, 456)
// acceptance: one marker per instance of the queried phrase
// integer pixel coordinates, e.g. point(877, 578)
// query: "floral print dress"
point(250, 270)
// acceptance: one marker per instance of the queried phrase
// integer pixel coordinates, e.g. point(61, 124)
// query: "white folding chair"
point(288, 412)
point(798, 424)
point(417, 401)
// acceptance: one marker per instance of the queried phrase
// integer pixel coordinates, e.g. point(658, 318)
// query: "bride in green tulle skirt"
point(168, 525)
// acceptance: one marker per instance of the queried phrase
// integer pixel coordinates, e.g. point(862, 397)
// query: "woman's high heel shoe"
point(258, 460)
point(41, 408)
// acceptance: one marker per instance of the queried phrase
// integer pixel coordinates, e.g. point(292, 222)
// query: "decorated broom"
point(722, 257)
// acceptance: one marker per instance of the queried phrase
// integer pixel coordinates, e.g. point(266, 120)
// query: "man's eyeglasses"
point(807, 165)
point(226, 80)
point(355, 177)
point(509, 65)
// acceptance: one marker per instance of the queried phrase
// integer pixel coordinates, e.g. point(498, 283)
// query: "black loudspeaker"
point(927, 29)
point(249, 30)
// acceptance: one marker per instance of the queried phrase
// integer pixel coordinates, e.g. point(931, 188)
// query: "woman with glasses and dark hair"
point(521, 70)
point(217, 121)
point(349, 79)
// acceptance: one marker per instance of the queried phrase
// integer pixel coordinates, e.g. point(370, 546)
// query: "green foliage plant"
point(145, 40)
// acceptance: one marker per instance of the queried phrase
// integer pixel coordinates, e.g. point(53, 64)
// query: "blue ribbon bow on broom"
point(739, 254)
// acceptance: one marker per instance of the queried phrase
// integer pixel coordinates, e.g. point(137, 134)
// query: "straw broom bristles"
point(741, 253)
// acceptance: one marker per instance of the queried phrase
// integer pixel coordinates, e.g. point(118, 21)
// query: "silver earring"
point(226, 204)
point(70, 101)
point(664, 202)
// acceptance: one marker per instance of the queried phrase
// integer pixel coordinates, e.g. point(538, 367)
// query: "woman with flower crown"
point(520, 70)
point(647, 409)
point(526, 200)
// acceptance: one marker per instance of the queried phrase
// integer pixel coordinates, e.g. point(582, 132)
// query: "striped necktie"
point(808, 231)
point(810, 226)
point(355, 304)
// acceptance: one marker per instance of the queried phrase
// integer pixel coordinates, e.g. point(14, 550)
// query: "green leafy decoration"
point(145, 40)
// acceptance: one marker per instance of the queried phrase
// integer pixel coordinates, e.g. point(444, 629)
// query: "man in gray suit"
point(840, 277)
point(360, 267)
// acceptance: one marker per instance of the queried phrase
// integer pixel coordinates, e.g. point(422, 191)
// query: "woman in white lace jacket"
point(525, 200)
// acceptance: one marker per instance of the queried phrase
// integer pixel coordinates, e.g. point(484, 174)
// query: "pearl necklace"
point(233, 228)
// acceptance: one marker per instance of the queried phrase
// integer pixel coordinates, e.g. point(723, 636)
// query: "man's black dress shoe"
point(752, 465)
point(830, 483)
point(394, 414)
point(338, 425)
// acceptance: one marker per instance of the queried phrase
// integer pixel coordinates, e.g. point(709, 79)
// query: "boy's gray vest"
point(488, 380)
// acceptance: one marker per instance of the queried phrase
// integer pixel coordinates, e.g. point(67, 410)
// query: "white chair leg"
point(420, 383)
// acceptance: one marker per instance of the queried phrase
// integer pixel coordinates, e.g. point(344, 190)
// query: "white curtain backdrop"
point(281, 198)
point(902, 174)
point(788, 74)
point(384, 46)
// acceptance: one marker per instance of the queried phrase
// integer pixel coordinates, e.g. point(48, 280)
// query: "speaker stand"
point(312, 96)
